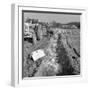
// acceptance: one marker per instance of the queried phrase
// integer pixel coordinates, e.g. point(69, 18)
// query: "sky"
point(49, 17)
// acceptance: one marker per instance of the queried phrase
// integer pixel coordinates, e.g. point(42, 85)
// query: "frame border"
point(16, 10)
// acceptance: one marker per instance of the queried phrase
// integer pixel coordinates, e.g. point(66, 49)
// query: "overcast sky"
point(48, 17)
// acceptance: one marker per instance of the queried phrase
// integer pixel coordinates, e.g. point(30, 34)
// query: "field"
point(61, 48)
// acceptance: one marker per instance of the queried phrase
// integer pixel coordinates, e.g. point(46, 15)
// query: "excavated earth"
point(62, 54)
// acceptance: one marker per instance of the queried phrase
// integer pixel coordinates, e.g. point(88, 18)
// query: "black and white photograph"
point(50, 44)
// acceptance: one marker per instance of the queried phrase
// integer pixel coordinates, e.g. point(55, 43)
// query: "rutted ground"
point(62, 54)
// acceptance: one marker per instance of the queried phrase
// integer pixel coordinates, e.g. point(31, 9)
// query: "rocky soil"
point(62, 54)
